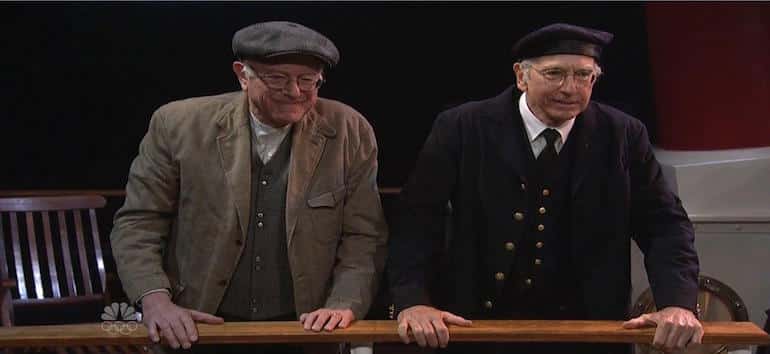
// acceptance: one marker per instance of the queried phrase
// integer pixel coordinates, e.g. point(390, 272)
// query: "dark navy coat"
point(473, 160)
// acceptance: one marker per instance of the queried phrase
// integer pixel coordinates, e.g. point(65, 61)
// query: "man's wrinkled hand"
point(428, 325)
point(326, 319)
point(176, 324)
point(676, 328)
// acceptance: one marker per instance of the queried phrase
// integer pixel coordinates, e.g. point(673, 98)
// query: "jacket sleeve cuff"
point(408, 296)
point(148, 292)
point(686, 298)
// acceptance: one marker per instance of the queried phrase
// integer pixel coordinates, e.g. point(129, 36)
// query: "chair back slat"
point(20, 281)
point(84, 272)
point(97, 248)
point(5, 296)
point(34, 260)
point(65, 251)
point(55, 289)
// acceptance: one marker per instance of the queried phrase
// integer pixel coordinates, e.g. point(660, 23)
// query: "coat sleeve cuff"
point(408, 296)
point(686, 298)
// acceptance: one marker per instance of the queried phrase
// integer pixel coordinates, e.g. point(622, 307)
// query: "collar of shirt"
point(535, 126)
point(267, 138)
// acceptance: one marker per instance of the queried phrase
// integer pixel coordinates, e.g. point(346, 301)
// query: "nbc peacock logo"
point(120, 318)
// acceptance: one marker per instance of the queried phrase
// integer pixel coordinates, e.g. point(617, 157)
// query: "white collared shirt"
point(535, 126)
point(267, 138)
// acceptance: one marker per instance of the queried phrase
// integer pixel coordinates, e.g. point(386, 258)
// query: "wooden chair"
point(52, 259)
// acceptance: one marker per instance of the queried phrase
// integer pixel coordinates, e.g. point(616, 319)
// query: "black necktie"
point(547, 159)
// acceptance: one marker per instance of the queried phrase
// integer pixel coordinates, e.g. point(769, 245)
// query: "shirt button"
point(546, 192)
point(518, 216)
point(539, 244)
point(264, 183)
point(523, 187)
point(538, 261)
point(500, 276)
point(257, 267)
point(260, 224)
point(260, 215)
point(257, 259)
point(540, 227)
point(541, 210)
point(528, 282)
point(488, 304)
point(509, 246)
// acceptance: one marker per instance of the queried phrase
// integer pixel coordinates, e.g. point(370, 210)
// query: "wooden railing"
point(7, 193)
point(737, 333)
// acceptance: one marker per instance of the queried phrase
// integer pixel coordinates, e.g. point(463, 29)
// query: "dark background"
point(79, 82)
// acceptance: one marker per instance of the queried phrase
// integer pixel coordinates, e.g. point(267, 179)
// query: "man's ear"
point(240, 73)
point(518, 71)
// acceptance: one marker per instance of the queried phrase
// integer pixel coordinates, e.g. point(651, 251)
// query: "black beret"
point(562, 38)
point(271, 39)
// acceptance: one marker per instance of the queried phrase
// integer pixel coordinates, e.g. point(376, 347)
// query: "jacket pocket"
point(325, 212)
point(328, 199)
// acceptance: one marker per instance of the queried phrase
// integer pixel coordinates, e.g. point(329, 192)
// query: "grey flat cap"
point(271, 39)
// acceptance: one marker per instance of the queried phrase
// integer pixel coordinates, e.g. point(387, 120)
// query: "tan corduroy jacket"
point(187, 207)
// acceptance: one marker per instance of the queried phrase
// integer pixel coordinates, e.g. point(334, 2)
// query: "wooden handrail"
point(744, 333)
point(109, 192)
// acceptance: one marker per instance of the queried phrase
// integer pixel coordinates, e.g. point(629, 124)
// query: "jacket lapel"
point(506, 135)
point(234, 143)
point(586, 147)
point(309, 137)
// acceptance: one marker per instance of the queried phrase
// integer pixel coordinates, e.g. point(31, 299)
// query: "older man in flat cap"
point(255, 205)
point(547, 188)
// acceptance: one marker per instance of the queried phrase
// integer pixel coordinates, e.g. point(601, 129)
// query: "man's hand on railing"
point(176, 324)
point(676, 328)
point(428, 325)
point(326, 319)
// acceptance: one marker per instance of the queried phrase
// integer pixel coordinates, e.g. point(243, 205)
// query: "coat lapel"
point(234, 143)
point(506, 136)
point(586, 147)
point(309, 137)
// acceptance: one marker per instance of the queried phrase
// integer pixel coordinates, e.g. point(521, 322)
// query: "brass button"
point(519, 216)
point(540, 227)
point(538, 261)
point(546, 192)
point(509, 246)
point(488, 304)
point(528, 282)
point(500, 276)
point(539, 244)
point(541, 210)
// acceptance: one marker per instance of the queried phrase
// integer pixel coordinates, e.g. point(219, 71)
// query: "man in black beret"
point(546, 188)
point(255, 205)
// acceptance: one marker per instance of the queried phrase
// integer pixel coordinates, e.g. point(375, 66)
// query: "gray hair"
point(528, 63)
point(248, 71)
